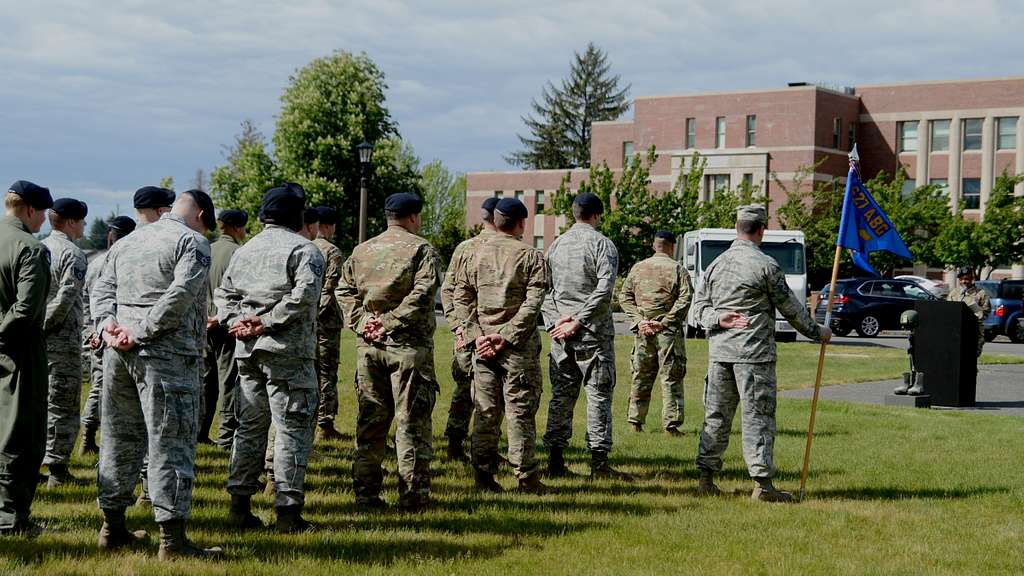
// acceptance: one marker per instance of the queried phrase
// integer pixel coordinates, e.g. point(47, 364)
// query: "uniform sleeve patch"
point(317, 269)
point(204, 260)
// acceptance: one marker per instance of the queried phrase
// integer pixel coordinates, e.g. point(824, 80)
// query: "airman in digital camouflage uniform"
point(24, 284)
point(63, 328)
point(328, 325)
point(268, 300)
point(460, 411)
point(387, 296)
point(735, 303)
point(975, 298)
point(499, 291)
point(149, 305)
point(117, 228)
point(578, 316)
point(656, 296)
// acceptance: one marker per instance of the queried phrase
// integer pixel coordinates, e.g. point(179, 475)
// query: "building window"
point(751, 130)
point(538, 202)
point(970, 193)
point(942, 184)
point(1006, 133)
point(691, 132)
point(940, 136)
point(748, 181)
point(538, 242)
point(627, 153)
point(908, 188)
point(837, 133)
point(720, 132)
point(852, 134)
point(519, 195)
point(972, 134)
point(714, 183)
point(907, 137)
point(499, 193)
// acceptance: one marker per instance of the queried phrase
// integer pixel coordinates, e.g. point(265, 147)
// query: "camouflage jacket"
point(500, 289)
point(68, 266)
point(91, 275)
point(746, 280)
point(329, 310)
point(464, 250)
point(276, 276)
point(392, 277)
point(658, 289)
point(154, 283)
point(583, 264)
point(975, 298)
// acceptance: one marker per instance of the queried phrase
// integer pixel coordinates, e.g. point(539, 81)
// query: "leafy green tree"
point(997, 241)
point(98, 233)
point(444, 208)
point(560, 126)
point(248, 173)
point(961, 244)
point(167, 182)
point(814, 210)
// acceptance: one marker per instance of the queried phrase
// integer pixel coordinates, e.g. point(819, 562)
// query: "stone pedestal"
point(921, 401)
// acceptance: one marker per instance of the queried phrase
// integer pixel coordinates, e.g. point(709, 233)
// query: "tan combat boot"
point(175, 544)
point(115, 535)
point(765, 491)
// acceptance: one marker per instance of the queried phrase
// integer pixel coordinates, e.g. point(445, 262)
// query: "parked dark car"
point(869, 305)
point(1007, 298)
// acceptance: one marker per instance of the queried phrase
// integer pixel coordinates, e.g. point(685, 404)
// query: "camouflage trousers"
point(394, 382)
point(63, 401)
point(508, 385)
point(220, 379)
point(591, 365)
point(150, 403)
point(280, 389)
point(328, 344)
point(728, 384)
point(91, 414)
point(667, 351)
point(460, 410)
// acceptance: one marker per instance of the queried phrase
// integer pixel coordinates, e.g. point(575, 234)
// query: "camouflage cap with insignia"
point(752, 213)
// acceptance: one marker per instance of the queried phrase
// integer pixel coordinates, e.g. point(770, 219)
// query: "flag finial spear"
point(854, 156)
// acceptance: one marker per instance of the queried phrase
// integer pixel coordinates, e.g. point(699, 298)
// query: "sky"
point(100, 98)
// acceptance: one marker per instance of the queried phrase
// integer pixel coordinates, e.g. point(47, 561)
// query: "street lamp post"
point(365, 155)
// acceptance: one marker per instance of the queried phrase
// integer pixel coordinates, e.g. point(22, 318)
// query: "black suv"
point(869, 305)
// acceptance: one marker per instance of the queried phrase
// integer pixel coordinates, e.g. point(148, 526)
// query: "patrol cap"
point(310, 216)
point(490, 203)
point(328, 215)
point(590, 203)
point(964, 271)
point(283, 205)
point(153, 197)
point(233, 217)
point(205, 204)
point(122, 224)
point(70, 209)
point(33, 194)
point(752, 213)
point(512, 208)
point(665, 235)
point(403, 204)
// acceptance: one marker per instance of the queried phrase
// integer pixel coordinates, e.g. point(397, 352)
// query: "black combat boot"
point(706, 484)
point(59, 476)
point(456, 452)
point(600, 468)
point(290, 520)
point(240, 514)
point(556, 464)
point(115, 535)
point(485, 481)
point(175, 544)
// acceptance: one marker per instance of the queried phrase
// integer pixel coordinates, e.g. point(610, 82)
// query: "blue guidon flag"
point(864, 226)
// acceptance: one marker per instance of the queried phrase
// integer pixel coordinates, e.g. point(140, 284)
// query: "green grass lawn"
point(891, 491)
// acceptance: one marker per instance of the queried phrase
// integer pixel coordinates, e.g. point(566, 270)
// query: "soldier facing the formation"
point(387, 295)
point(656, 296)
point(975, 298)
point(268, 300)
point(736, 303)
point(63, 328)
point(328, 325)
point(24, 284)
point(150, 309)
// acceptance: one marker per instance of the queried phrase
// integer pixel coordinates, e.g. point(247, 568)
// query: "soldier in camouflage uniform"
point(656, 296)
point(268, 298)
point(24, 284)
point(117, 228)
point(152, 202)
point(499, 291)
point(736, 302)
point(149, 305)
point(460, 411)
point(387, 296)
point(578, 315)
point(975, 298)
point(63, 327)
point(329, 325)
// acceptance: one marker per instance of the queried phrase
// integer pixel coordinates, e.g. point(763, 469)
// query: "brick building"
point(960, 134)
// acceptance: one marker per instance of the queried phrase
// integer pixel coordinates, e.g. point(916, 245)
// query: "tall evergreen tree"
point(560, 126)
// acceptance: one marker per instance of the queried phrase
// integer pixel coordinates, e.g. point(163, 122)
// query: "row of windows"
point(970, 190)
point(538, 198)
point(971, 128)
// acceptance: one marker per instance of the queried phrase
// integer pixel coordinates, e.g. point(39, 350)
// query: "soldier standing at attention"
point(268, 300)
point(220, 374)
point(387, 295)
point(63, 329)
point(656, 296)
point(329, 325)
point(24, 283)
point(578, 316)
point(117, 228)
point(736, 303)
point(499, 291)
point(150, 309)
point(975, 298)
point(152, 202)
point(460, 410)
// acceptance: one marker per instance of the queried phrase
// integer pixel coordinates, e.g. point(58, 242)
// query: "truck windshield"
point(789, 255)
